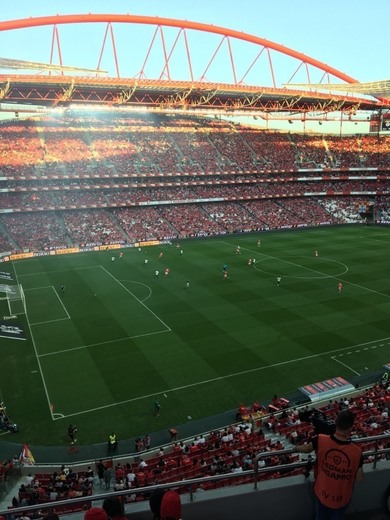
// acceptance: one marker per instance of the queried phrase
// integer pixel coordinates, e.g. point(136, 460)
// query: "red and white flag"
point(26, 457)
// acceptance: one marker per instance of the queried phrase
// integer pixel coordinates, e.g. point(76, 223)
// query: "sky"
point(350, 35)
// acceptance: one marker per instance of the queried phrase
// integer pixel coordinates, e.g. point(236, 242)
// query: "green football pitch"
point(118, 337)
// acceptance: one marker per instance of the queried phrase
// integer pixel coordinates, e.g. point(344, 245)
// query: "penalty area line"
point(138, 300)
point(102, 343)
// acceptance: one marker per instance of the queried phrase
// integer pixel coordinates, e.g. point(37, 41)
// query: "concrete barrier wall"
point(289, 498)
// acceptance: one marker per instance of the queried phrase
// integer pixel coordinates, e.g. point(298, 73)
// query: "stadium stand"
point(228, 451)
point(132, 179)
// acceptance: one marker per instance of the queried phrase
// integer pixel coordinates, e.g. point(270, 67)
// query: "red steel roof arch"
point(171, 22)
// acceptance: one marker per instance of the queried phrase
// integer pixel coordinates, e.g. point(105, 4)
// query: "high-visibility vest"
point(112, 439)
point(337, 465)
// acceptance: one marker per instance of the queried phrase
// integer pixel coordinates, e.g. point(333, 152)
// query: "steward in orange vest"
point(339, 464)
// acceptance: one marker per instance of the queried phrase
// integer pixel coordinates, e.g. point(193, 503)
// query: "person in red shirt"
point(340, 287)
point(119, 472)
point(256, 406)
point(173, 434)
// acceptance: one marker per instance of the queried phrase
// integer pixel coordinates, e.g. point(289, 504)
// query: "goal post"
point(16, 300)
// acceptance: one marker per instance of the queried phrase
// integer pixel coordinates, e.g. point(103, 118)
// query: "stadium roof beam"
point(124, 96)
point(204, 98)
point(5, 89)
point(6, 63)
point(56, 90)
point(248, 101)
point(179, 99)
point(66, 94)
point(379, 89)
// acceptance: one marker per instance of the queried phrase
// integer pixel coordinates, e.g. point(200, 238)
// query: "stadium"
point(181, 283)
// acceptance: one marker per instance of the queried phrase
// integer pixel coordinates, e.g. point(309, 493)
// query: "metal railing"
point(375, 453)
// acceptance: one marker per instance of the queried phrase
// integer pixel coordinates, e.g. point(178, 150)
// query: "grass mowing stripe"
point(221, 378)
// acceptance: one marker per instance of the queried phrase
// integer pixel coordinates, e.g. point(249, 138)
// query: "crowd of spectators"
point(60, 485)
point(92, 227)
point(290, 213)
point(370, 406)
point(232, 216)
point(173, 144)
point(228, 450)
point(220, 191)
point(345, 153)
point(20, 149)
point(174, 176)
point(375, 152)
point(382, 210)
point(6, 244)
point(42, 231)
point(62, 140)
point(34, 231)
point(144, 224)
point(344, 209)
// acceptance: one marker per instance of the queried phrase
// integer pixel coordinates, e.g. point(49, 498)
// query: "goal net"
point(14, 296)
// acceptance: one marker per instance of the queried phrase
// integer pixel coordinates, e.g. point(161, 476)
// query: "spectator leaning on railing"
point(339, 464)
